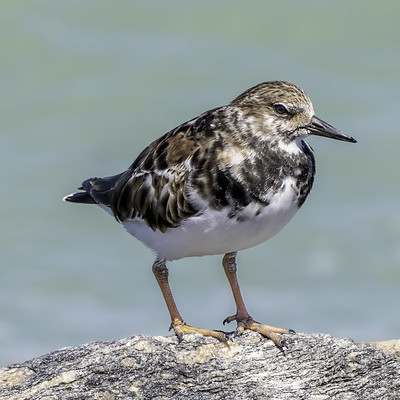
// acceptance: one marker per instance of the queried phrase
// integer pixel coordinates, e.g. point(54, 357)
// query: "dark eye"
point(280, 108)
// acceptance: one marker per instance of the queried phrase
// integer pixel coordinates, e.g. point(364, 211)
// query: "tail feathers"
point(95, 191)
point(80, 197)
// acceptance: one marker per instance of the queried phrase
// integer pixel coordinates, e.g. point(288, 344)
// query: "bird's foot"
point(180, 328)
point(270, 332)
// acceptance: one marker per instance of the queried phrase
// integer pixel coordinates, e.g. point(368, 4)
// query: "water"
point(86, 85)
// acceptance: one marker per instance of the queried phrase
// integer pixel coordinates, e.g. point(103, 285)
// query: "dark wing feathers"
point(155, 187)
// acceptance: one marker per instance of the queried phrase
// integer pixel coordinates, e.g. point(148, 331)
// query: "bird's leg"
point(243, 318)
point(160, 271)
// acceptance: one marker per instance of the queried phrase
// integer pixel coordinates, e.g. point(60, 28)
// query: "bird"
point(219, 183)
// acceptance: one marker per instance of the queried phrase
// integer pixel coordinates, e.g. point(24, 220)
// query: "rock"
point(312, 367)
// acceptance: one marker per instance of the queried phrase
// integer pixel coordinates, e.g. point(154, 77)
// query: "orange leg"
point(160, 271)
point(242, 317)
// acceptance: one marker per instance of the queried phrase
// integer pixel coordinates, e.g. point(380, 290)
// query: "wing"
point(155, 188)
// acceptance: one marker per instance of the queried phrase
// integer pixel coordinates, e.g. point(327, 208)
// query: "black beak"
point(322, 128)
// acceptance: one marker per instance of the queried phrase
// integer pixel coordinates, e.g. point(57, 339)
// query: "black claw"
point(225, 321)
point(236, 333)
point(180, 338)
point(230, 335)
point(283, 342)
point(282, 346)
point(225, 333)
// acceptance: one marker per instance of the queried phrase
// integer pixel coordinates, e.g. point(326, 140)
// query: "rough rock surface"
point(312, 367)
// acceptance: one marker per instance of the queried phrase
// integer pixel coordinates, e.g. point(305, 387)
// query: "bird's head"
point(285, 112)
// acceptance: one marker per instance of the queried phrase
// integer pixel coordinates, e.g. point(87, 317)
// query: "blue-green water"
point(86, 85)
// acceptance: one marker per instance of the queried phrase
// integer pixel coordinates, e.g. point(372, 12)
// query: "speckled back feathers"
point(227, 157)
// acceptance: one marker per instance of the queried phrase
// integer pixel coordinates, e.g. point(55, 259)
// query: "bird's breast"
point(214, 231)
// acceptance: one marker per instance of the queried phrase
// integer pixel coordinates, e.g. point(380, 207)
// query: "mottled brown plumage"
point(224, 181)
point(199, 154)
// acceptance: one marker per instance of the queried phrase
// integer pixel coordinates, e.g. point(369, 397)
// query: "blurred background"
point(85, 86)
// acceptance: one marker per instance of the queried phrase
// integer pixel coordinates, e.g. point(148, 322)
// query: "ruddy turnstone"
point(225, 181)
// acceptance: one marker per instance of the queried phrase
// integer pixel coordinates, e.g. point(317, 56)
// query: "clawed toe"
point(242, 317)
point(228, 320)
point(180, 329)
point(270, 332)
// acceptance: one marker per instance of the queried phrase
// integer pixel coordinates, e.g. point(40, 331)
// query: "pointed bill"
point(322, 128)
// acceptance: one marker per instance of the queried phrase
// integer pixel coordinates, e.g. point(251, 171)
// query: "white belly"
point(213, 232)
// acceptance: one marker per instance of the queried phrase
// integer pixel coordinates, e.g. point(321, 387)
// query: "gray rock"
point(312, 367)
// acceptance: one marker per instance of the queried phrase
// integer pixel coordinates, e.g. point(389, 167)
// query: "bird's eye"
point(280, 108)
